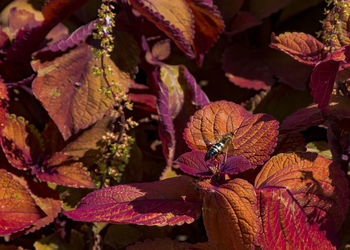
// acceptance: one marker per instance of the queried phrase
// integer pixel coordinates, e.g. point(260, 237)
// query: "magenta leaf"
point(178, 98)
point(322, 81)
point(235, 165)
point(284, 223)
point(69, 41)
point(173, 201)
point(193, 163)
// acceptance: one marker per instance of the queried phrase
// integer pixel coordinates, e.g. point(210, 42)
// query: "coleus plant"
point(293, 200)
point(63, 123)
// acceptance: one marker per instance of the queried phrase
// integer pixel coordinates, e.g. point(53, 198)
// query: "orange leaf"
point(18, 209)
point(174, 18)
point(229, 214)
point(71, 93)
point(318, 185)
point(255, 135)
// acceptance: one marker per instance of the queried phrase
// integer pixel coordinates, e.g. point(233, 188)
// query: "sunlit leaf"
point(317, 184)
point(229, 214)
point(18, 209)
point(71, 93)
point(255, 135)
point(302, 47)
point(64, 170)
point(172, 201)
point(22, 143)
point(174, 18)
point(284, 223)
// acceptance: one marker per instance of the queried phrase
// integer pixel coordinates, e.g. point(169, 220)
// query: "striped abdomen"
point(219, 146)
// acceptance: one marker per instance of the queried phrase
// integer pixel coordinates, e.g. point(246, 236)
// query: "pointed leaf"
point(173, 201)
point(229, 214)
point(322, 81)
point(70, 92)
point(208, 25)
point(179, 97)
point(255, 135)
point(302, 47)
point(71, 40)
point(174, 18)
point(64, 170)
point(21, 142)
point(18, 209)
point(284, 223)
point(318, 185)
point(193, 163)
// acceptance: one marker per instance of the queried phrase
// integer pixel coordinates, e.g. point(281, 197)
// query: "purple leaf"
point(178, 98)
point(235, 165)
point(173, 201)
point(193, 163)
point(69, 41)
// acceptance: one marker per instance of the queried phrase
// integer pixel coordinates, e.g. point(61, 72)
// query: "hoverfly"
point(219, 147)
point(216, 142)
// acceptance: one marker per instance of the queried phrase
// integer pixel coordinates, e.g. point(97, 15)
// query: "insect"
point(219, 146)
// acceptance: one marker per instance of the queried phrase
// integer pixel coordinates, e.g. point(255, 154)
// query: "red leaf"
point(208, 25)
point(18, 209)
point(229, 214)
point(71, 93)
point(317, 184)
point(322, 82)
point(64, 170)
point(173, 201)
point(174, 18)
point(290, 142)
point(302, 47)
point(284, 223)
point(255, 135)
